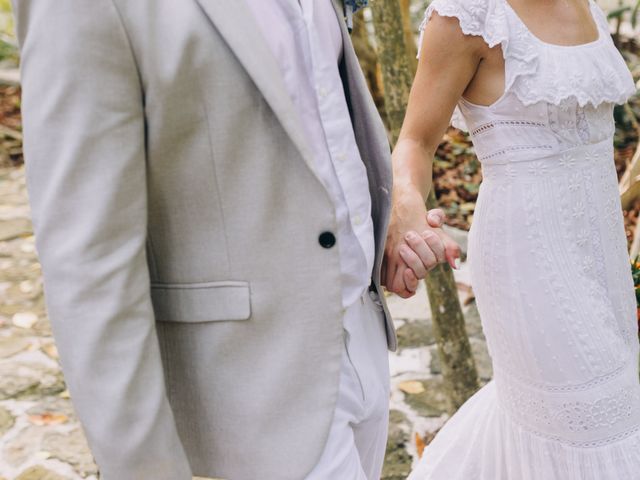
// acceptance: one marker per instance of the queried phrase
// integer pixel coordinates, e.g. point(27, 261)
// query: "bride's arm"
point(448, 62)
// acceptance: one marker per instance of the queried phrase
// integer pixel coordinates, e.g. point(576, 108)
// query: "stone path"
point(40, 437)
point(418, 402)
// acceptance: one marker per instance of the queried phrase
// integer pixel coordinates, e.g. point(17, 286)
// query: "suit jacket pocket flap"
point(201, 302)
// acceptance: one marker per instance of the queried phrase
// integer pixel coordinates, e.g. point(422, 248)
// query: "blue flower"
point(356, 4)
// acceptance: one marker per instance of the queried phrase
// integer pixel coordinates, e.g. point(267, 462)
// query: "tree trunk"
point(398, 66)
point(458, 366)
point(409, 37)
point(368, 58)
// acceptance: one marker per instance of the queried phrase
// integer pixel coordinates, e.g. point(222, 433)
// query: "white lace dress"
point(549, 266)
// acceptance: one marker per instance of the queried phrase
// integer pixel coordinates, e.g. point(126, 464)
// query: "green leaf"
point(634, 14)
point(471, 187)
point(618, 12)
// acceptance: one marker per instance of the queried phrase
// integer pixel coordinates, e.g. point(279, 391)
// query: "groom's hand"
point(416, 243)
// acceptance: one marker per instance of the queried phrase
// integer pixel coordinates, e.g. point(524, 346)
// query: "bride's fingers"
point(436, 244)
point(423, 251)
point(453, 253)
point(415, 262)
point(436, 219)
point(451, 250)
point(410, 280)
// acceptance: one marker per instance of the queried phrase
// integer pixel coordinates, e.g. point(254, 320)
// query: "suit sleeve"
point(84, 128)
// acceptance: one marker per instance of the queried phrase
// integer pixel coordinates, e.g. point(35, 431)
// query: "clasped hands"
point(416, 243)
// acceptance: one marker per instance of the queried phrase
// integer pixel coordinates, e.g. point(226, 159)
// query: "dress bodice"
point(511, 131)
point(555, 98)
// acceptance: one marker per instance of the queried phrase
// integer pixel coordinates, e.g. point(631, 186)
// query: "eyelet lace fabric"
point(549, 267)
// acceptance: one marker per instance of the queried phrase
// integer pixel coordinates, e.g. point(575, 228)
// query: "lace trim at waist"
point(581, 156)
point(594, 413)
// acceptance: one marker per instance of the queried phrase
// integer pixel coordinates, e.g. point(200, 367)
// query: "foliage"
point(8, 47)
point(635, 269)
point(6, 19)
point(620, 13)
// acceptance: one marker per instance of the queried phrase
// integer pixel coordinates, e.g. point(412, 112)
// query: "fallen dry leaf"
point(51, 350)
point(48, 419)
point(419, 445)
point(411, 387)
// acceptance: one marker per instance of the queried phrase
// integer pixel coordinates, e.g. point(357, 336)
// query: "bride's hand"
point(415, 244)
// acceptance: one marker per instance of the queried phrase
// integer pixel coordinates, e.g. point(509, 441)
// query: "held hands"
point(415, 244)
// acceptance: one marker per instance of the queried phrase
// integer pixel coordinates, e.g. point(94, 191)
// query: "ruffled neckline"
point(537, 71)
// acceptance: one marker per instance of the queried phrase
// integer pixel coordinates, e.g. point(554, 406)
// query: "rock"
point(24, 445)
point(55, 405)
point(28, 247)
point(433, 402)
point(415, 334)
point(397, 463)
point(414, 308)
point(22, 292)
point(11, 345)
point(24, 319)
point(71, 448)
point(24, 380)
point(10, 76)
point(13, 385)
point(26, 286)
point(398, 426)
point(17, 227)
point(39, 473)
point(10, 309)
point(410, 360)
point(6, 421)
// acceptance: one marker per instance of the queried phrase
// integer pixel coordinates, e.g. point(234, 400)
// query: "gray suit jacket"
point(177, 215)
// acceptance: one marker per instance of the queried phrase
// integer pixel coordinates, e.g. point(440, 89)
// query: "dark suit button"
point(327, 239)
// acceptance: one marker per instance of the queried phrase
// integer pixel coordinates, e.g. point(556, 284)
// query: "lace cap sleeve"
point(483, 18)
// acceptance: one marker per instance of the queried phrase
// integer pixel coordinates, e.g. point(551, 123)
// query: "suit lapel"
point(339, 6)
point(234, 21)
